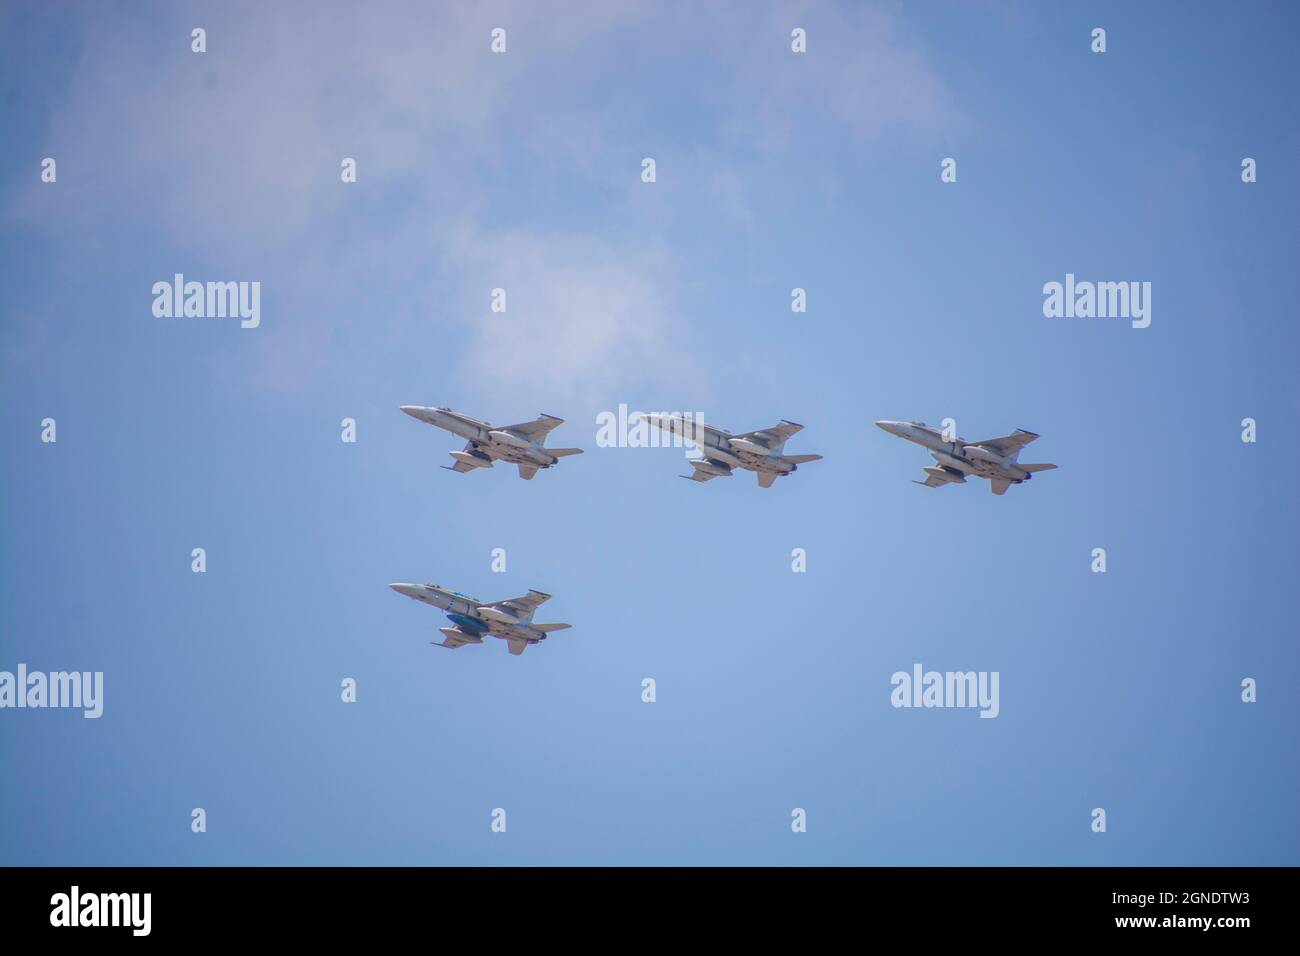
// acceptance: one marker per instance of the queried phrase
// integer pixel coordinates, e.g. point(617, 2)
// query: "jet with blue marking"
point(523, 444)
point(472, 620)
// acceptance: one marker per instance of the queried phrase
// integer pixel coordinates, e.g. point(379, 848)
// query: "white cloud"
point(584, 321)
point(232, 157)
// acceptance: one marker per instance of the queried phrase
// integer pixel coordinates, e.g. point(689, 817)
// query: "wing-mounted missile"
point(474, 459)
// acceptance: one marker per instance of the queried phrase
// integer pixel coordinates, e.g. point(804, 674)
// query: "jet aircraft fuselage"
point(511, 620)
point(996, 459)
point(762, 451)
point(522, 444)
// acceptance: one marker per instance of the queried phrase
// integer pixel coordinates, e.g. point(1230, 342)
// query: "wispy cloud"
point(584, 319)
point(233, 157)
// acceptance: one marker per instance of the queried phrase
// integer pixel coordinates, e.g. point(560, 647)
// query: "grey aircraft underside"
point(472, 620)
point(997, 459)
point(522, 444)
point(762, 451)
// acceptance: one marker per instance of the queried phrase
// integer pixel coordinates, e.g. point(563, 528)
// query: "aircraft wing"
point(698, 475)
point(523, 607)
point(451, 643)
point(1009, 444)
point(932, 482)
point(537, 430)
point(775, 436)
point(460, 466)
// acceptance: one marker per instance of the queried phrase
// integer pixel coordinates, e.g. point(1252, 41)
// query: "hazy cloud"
point(234, 155)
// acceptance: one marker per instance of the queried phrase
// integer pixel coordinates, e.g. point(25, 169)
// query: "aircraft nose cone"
point(407, 589)
point(412, 410)
point(891, 427)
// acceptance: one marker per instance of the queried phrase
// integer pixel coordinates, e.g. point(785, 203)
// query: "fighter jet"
point(521, 445)
point(510, 620)
point(996, 459)
point(761, 451)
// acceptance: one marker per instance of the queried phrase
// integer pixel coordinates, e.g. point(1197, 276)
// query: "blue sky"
point(774, 171)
